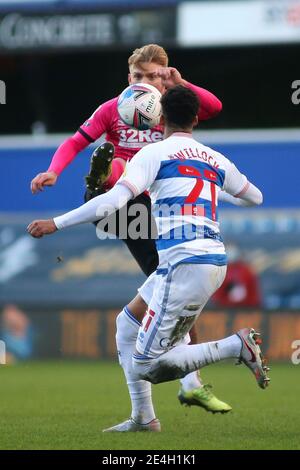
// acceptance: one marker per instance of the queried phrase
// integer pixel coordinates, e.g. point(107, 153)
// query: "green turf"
point(65, 405)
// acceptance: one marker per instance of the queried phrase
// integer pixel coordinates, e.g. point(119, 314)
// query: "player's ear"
point(129, 78)
point(195, 121)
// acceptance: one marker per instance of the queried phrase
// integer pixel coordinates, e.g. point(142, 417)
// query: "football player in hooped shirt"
point(185, 180)
point(148, 64)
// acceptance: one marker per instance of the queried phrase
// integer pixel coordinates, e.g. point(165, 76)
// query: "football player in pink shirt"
point(149, 64)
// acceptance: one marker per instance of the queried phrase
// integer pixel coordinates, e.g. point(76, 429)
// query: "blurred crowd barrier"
point(41, 333)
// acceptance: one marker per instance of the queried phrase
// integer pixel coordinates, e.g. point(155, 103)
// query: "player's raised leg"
point(100, 168)
point(182, 359)
point(160, 353)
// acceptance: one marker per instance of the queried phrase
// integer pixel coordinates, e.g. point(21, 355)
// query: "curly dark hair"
point(180, 105)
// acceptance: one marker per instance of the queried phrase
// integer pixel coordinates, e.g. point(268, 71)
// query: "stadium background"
point(58, 61)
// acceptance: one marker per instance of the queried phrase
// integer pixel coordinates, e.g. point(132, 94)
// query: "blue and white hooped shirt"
point(184, 179)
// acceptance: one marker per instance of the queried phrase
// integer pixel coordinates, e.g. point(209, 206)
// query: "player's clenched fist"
point(39, 228)
point(170, 77)
point(43, 179)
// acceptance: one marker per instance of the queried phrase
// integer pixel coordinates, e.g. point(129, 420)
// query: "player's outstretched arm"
point(250, 196)
point(90, 131)
point(63, 156)
point(97, 208)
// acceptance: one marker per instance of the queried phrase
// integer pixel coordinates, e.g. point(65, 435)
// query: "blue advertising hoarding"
point(272, 166)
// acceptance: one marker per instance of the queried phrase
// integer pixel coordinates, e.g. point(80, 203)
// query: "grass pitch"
point(65, 405)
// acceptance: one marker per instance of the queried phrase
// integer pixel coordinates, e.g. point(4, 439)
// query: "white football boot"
point(252, 357)
point(131, 426)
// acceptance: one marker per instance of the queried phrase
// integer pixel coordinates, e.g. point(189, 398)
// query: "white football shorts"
point(175, 299)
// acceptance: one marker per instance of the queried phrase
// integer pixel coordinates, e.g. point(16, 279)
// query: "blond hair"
point(149, 53)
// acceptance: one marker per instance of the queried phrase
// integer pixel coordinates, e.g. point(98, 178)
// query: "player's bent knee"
point(157, 370)
point(126, 329)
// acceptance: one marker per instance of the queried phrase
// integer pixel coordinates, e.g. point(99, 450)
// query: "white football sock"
point(191, 381)
point(139, 390)
point(229, 347)
point(184, 359)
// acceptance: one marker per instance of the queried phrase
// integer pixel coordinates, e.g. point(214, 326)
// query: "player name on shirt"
point(189, 153)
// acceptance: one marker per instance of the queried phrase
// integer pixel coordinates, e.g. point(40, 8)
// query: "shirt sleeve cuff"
point(244, 189)
point(131, 186)
point(58, 222)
